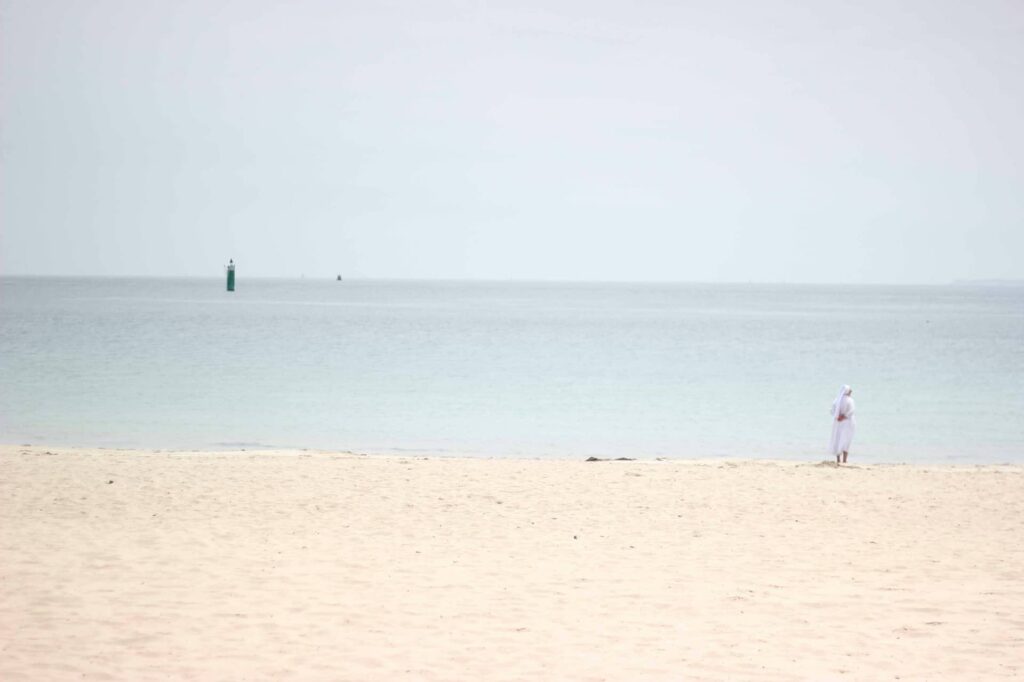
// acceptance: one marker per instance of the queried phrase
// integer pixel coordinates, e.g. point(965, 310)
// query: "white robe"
point(842, 431)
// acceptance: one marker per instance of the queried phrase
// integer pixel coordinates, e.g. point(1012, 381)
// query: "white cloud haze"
point(709, 141)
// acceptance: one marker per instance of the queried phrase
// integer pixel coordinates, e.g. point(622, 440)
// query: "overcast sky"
point(712, 140)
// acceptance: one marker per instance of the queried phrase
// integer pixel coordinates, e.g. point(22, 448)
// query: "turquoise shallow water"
point(507, 369)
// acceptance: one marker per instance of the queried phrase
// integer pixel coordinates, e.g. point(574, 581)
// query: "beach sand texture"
point(133, 565)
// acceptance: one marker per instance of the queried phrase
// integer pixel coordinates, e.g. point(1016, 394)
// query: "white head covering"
point(839, 399)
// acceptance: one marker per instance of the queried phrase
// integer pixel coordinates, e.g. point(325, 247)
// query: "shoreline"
point(431, 454)
point(316, 565)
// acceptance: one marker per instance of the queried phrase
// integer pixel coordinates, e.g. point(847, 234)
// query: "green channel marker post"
point(231, 275)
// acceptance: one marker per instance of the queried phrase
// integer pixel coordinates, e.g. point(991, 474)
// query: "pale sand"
point(320, 566)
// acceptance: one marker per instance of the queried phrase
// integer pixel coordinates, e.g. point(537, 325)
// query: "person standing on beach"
point(843, 424)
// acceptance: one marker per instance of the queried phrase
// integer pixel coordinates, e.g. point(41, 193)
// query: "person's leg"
point(837, 458)
point(844, 456)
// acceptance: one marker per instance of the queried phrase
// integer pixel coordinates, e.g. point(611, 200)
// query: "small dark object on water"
point(617, 459)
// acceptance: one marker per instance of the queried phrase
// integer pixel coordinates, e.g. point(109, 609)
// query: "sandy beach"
point(140, 565)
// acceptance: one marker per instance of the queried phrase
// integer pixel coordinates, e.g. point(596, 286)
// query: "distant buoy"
point(339, 278)
point(231, 275)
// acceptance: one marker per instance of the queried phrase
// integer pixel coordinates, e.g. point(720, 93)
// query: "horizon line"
point(989, 281)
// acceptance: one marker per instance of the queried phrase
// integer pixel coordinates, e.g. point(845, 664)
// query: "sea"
point(514, 369)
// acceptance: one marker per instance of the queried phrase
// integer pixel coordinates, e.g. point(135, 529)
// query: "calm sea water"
point(505, 369)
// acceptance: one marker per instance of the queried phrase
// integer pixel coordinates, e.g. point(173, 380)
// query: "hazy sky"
point(712, 140)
